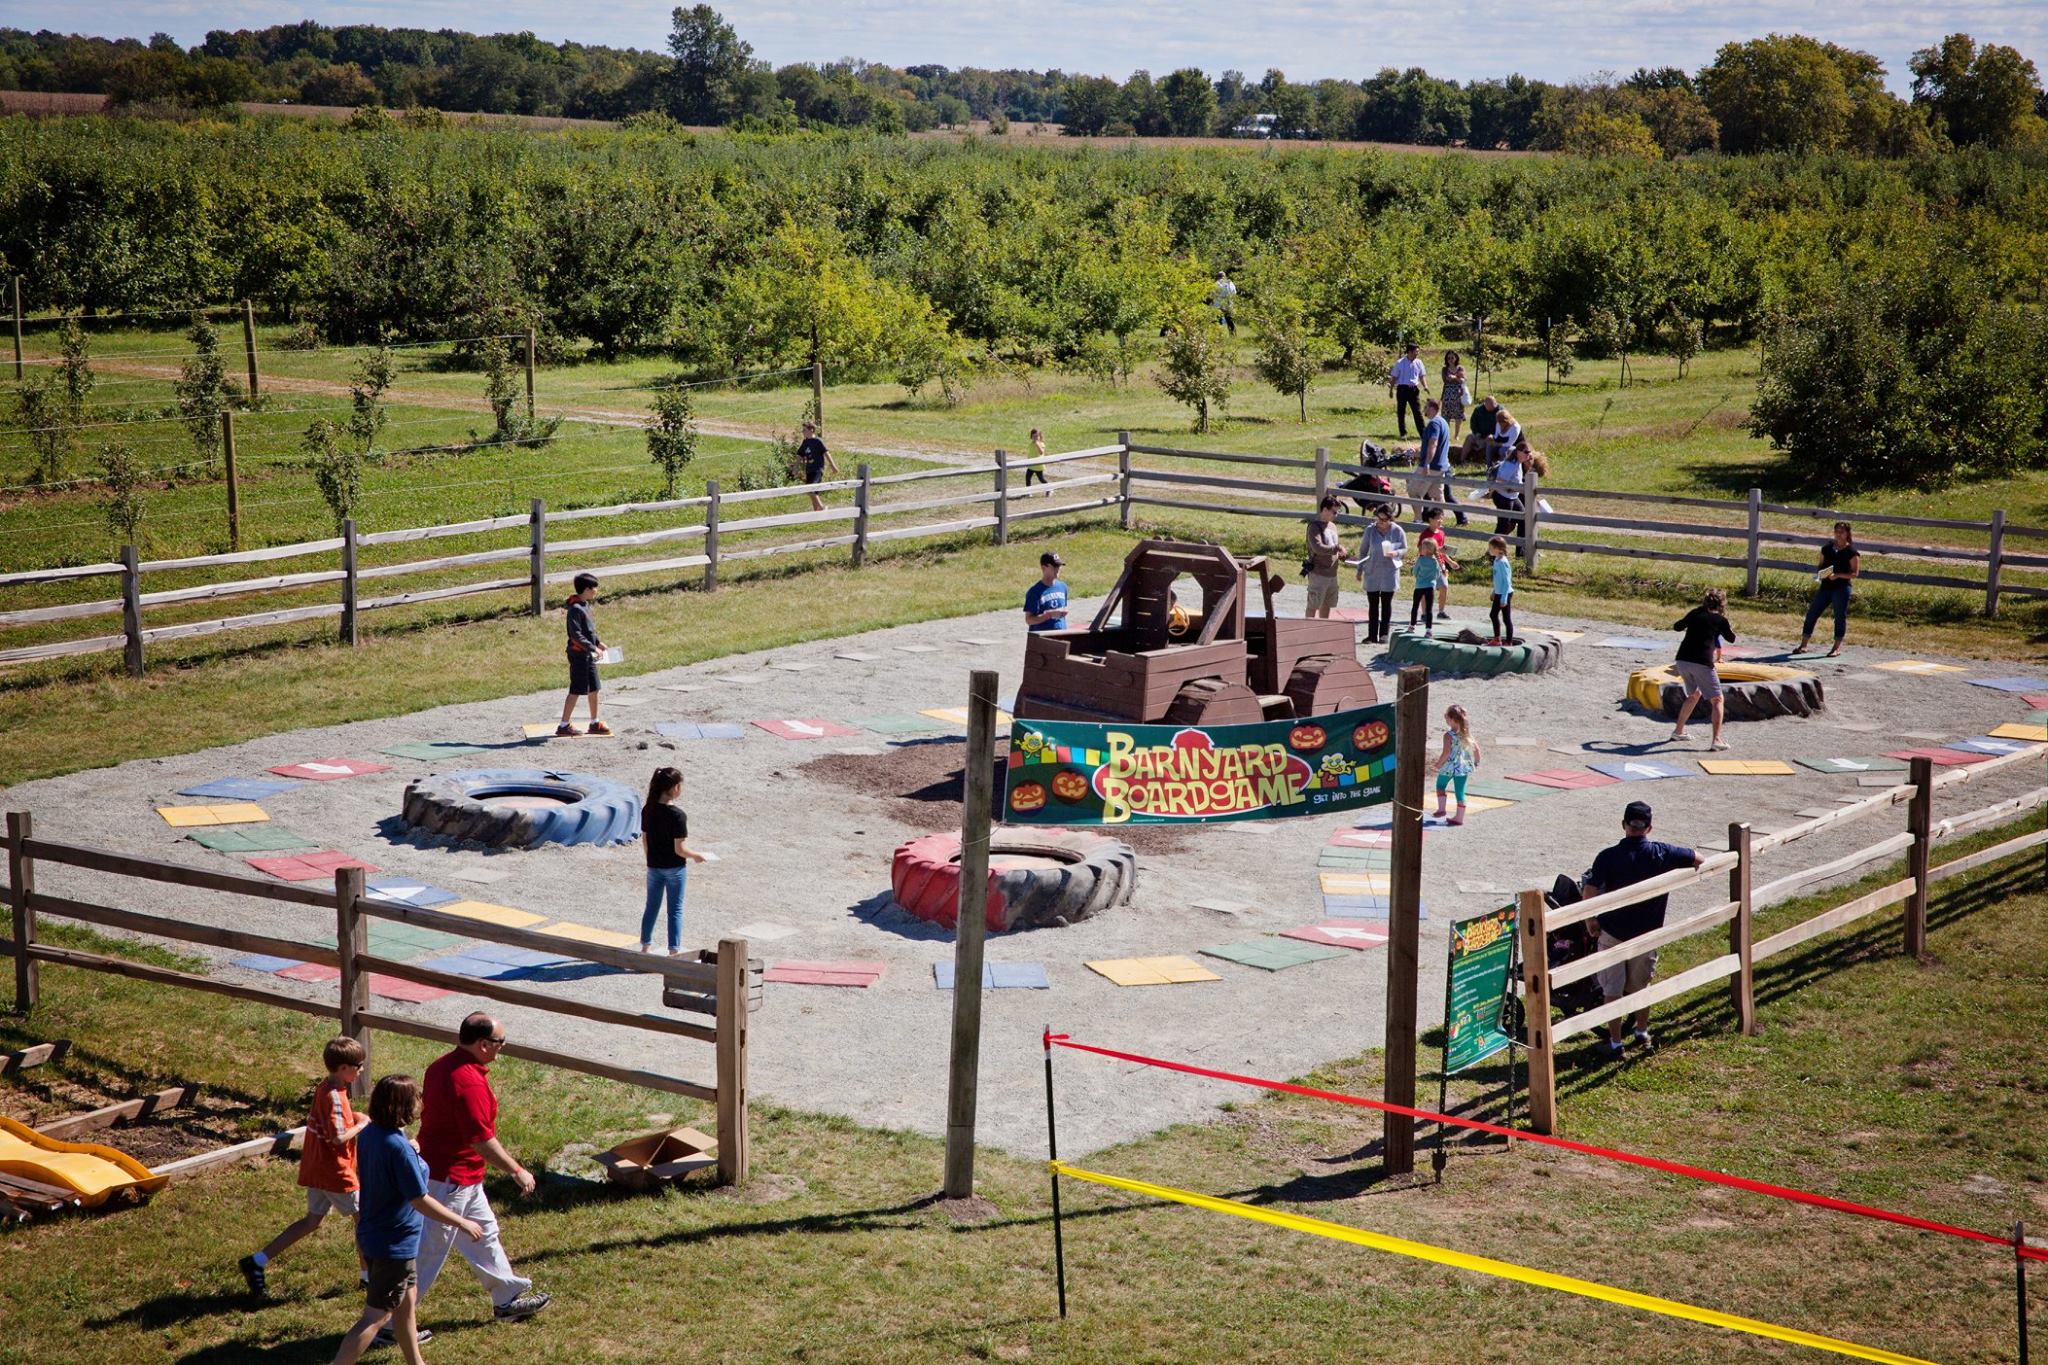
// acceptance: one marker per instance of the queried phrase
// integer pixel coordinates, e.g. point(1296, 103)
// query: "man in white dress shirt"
point(1410, 380)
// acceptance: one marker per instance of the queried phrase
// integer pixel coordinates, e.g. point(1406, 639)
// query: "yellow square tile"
point(491, 914)
point(184, 817)
point(1354, 883)
point(538, 730)
point(1746, 767)
point(2013, 729)
point(1474, 804)
point(1918, 666)
point(239, 813)
point(584, 933)
point(957, 715)
point(1152, 971)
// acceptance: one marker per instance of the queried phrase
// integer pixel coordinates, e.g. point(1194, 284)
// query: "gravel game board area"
point(804, 828)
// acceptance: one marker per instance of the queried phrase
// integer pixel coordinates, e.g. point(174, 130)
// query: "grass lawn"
point(1907, 1086)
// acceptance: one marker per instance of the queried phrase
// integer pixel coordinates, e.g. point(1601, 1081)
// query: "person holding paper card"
point(1379, 571)
point(584, 649)
point(666, 832)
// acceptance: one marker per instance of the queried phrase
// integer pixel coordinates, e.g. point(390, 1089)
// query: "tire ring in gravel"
point(1093, 873)
point(1458, 657)
point(575, 808)
point(1751, 691)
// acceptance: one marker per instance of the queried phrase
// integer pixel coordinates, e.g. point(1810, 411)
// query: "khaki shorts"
point(389, 1281)
point(322, 1202)
point(1704, 679)
point(1627, 977)
point(1322, 592)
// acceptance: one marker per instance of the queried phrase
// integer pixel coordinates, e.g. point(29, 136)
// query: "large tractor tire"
point(1036, 878)
point(1751, 691)
point(523, 808)
point(1466, 654)
point(1212, 701)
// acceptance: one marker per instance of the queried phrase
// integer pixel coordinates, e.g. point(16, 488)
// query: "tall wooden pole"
point(227, 450)
point(21, 876)
point(249, 347)
point(1542, 1059)
point(131, 609)
point(1404, 925)
point(1920, 824)
point(978, 797)
point(731, 1047)
point(529, 375)
point(351, 942)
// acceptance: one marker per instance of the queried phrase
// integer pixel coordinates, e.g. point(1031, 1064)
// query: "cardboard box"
point(641, 1163)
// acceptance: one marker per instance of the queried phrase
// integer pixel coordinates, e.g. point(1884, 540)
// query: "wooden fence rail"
point(721, 983)
point(1737, 966)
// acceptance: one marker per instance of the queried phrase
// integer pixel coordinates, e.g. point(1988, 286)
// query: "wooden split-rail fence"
point(707, 999)
point(1537, 921)
point(706, 535)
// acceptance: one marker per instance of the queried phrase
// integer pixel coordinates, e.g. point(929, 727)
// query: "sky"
point(1551, 39)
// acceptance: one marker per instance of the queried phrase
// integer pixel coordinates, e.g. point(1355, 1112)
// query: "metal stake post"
point(1052, 1153)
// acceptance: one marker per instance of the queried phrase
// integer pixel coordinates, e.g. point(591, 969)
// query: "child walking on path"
point(1459, 757)
point(1705, 626)
point(584, 647)
point(1428, 577)
point(327, 1161)
point(665, 830)
point(396, 1206)
point(1433, 544)
point(1503, 610)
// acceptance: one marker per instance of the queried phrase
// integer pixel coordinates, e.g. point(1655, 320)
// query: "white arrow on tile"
point(804, 729)
point(1366, 934)
point(1848, 764)
point(1644, 770)
point(2003, 746)
point(342, 768)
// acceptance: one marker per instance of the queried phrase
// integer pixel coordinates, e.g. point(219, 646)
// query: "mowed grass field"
point(1908, 1086)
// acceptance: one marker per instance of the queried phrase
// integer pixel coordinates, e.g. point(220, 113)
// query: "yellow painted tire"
point(1751, 691)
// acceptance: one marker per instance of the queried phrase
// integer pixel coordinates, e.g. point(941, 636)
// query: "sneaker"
point(1680, 736)
point(565, 731)
point(1607, 1050)
point(253, 1273)
point(384, 1336)
point(525, 1306)
point(1718, 744)
point(1643, 1040)
point(598, 727)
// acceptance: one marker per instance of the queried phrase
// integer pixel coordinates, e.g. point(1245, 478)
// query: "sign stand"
point(1052, 1153)
point(970, 927)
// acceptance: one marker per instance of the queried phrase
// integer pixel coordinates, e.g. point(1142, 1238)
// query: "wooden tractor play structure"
point(1154, 657)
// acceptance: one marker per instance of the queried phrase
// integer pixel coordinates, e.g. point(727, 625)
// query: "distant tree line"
point(1783, 92)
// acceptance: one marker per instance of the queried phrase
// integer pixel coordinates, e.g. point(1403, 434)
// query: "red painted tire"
point(1069, 876)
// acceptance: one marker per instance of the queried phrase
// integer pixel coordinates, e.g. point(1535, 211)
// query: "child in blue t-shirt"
point(393, 1208)
point(1045, 602)
point(1503, 610)
point(1428, 577)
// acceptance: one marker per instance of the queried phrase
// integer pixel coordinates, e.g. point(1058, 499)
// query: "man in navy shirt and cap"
point(1637, 858)
point(1045, 602)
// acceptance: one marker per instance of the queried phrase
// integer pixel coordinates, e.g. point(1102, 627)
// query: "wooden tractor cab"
point(1156, 656)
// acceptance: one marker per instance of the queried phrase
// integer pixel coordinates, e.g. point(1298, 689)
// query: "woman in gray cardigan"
point(1379, 571)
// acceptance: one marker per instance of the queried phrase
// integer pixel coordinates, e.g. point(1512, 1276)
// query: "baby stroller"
point(1371, 489)
point(1569, 944)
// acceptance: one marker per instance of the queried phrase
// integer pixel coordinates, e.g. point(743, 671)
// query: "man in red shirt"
point(458, 1139)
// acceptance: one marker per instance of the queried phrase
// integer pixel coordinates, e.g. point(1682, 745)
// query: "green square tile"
point(1272, 954)
point(1367, 858)
point(900, 724)
point(253, 839)
point(430, 751)
point(1506, 789)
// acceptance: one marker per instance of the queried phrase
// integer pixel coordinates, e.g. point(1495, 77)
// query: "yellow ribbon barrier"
point(1486, 1265)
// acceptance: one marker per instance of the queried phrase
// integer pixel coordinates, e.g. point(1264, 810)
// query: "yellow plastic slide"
point(90, 1171)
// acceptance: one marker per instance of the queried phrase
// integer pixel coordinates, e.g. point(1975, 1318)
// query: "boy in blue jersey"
point(1045, 602)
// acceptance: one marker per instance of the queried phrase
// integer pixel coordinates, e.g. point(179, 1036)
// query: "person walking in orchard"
point(1840, 564)
point(813, 458)
point(1408, 382)
point(1035, 473)
point(459, 1140)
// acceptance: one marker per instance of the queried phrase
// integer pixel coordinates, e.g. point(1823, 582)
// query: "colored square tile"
point(466, 964)
point(1941, 758)
point(1152, 971)
point(2036, 699)
point(1645, 770)
point(249, 839)
point(997, 976)
point(1746, 767)
point(240, 788)
point(492, 914)
point(1507, 789)
point(405, 891)
point(679, 729)
point(329, 769)
point(505, 955)
point(235, 813)
point(539, 729)
point(264, 962)
point(309, 971)
point(2011, 684)
point(1361, 838)
point(1358, 907)
point(763, 931)
point(2020, 730)
point(431, 751)
point(811, 727)
point(897, 725)
point(1354, 883)
point(1995, 745)
point(859, 975)
point(1917, 666)
point(1370, 859)
point(1272, 954)
point(1629, 642)
point(1475, 804)
point(957, 715)
point(1859, 763)
point(319, 865)
point(1566, 779)
point(395, 989)
point(719, 729)
point(856, 657)
point(585, 933)
point(1356, 934)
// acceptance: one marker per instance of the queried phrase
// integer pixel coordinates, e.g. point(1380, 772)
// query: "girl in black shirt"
point(665, 831)
point(1705, 627)
point(1839, 566)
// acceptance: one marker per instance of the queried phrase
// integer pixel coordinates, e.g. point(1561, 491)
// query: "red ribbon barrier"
point(1737, 1182)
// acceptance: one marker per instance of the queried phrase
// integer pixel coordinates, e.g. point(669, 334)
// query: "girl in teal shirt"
point(1503, 612)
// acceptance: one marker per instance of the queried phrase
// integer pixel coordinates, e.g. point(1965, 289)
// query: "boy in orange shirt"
point(327, 1161)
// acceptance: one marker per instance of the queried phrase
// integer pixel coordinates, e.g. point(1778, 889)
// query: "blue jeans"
point(1836, 592)
point(668, 881)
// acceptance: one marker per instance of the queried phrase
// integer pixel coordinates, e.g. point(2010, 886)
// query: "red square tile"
point(857, 974)
point(404, 990)
point(1941, 758)
point(812, 727)
point(1564, 779)
point(1362, 838)
point(1342, 933)
point(318, 865)
point(329, 769)
point(311, 971)
point(2037, 700)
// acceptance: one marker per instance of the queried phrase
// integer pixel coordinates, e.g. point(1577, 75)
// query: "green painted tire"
point(1453, 656)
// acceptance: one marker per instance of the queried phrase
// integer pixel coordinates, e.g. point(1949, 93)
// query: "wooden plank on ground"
point(277, 1144)
point(127, 1111)
point(21, 1059)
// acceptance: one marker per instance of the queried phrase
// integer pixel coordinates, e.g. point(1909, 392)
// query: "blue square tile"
point(1991, 744)
point(464, 964)
point(408, 891)
point(720, 730)
point(509, 956)
point(680, 729)
point(264, 962)
point(2012, 684)
point(241, 788)
point(1644, 769)
point(1019, 976)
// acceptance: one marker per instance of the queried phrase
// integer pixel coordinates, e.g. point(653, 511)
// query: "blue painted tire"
point(579, 808)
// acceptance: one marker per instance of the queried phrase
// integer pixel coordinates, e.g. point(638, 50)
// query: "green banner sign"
point(1482, 949)
point(1074, 773)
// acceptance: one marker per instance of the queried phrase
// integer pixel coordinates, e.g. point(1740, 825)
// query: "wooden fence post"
point(818, 394)
point(1531, 513)
point(861, 496)
point(1322, 474)
point(131, 608)
point(732, 1060)
point(1404, 923)
point(21, 876)
point(249, 348)
point(711, 535)
point(1123, 484)
point(351, 941)
point(1740, 935)
point(1002, 526)
point(1920, 824)
point(227, 450)
point(17, 327)
point(537, 556)
point(1535, 949)
point(1751, 584)
point(1994, 562)
point(529, 374)
point(348, 582)
point(970, 928)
